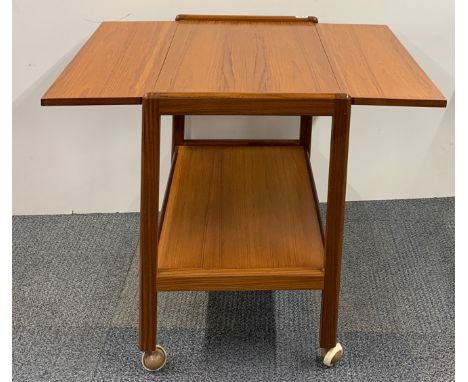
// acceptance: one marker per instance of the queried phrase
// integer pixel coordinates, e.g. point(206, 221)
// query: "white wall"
point(86, 159)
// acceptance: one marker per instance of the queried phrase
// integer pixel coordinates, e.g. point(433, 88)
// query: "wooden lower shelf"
point(240, 218)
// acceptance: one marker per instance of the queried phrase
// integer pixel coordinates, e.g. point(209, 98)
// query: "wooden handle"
point(234, 18)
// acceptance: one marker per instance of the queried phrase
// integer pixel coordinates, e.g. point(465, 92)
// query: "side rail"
point(242, 104)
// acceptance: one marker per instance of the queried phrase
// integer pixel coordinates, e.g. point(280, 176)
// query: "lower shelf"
point(240, 218)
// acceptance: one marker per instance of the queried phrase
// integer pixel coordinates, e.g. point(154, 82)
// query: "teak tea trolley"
point(241, 214)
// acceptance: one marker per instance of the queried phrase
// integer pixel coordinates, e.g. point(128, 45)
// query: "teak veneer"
point(372, 66)
point(118, 65)
point(240, 209)
point(124, 61)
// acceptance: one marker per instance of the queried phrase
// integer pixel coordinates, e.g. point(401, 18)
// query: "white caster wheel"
point(332, 355)
point(154, 360)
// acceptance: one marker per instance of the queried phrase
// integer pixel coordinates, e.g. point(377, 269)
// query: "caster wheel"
point(332, 355)
point(154, 360)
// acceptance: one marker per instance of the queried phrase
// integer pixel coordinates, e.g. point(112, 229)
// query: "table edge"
point(440, 103)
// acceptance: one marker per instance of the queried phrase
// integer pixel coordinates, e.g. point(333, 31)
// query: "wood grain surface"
point(246, 58)
point(124, 61)
point(241, 208)
point(246, 103)
point(374, 68)
point(119, 64)
point(234, 279)
point(334, 235)
point(149, 205)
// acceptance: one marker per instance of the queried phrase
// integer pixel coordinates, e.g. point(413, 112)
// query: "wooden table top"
point(124, 61)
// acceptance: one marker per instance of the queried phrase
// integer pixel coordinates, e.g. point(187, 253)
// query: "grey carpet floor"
point(75, 306)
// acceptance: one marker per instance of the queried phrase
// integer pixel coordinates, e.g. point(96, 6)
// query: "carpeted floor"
point(75, 306)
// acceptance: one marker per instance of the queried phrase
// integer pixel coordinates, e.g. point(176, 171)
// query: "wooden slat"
point(246, 58)
point(167, 192)
point(241, 142)
point(244, 208)
point(178, 131)
point(316, 199)
point(119, 64)
point(233, 279)
point(249, 18)
point(374, 68)
point(246, 104)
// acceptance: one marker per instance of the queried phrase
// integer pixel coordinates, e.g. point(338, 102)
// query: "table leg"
point(154, 356)
point(335, 222)
point(149, 222)
point(178, 131)
point(305, 132)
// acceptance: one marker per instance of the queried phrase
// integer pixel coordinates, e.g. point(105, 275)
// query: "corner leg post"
point(178, 131)
point(335, 222)
point(305, 132)
point(149, 222)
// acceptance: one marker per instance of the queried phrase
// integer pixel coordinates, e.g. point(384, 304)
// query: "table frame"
point(306, 106)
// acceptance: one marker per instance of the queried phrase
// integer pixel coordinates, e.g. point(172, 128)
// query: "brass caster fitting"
point(154, 360)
